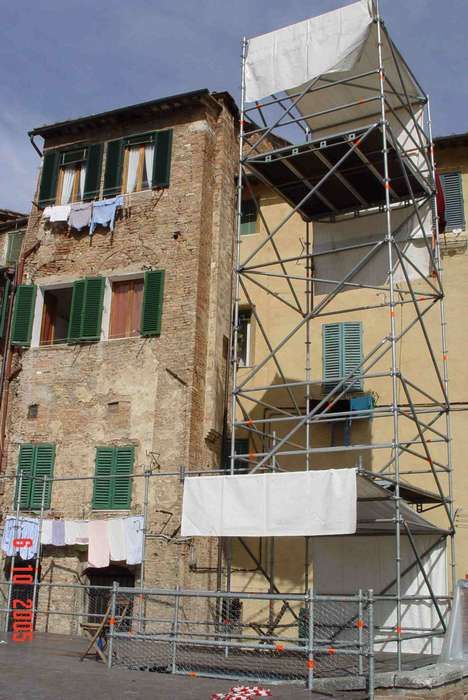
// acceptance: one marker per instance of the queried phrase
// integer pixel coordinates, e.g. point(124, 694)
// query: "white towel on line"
point(46, 532)
point(134, 538)
point(117, 539)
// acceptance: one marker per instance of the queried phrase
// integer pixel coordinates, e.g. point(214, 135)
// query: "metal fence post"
point(115, 586)
point(310, 639)
point(370, 620)
point(360, 635)
point(175, 631)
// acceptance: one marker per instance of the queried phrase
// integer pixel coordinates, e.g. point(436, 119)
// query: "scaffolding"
point(349, 157)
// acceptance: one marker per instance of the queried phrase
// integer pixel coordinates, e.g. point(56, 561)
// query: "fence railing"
point(242, 636)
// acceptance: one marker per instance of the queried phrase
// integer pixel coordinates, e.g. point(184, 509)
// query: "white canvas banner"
point(300, 52)
point(318, 502)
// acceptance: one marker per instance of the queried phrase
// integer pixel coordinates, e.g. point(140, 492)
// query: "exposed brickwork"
point(163, 395)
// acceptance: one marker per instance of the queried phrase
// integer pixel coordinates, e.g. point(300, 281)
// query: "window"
point(127, 299)
point(71, 175)
point(14, 243)
point(454, 206)
point(56, 316)
point(5, 286)
point(342, 352)
point(74, 313)
point(113, 491)
point(138, 162)
point(248, 222)
point(244, 337)
point(241, 448)
point(34, 463)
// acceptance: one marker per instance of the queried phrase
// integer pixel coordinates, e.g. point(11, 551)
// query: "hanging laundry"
point(82, 532)
point(98, 550)
point(61, 212)
point(134, 538)
point(47, 212)
point(71, 531)
point(117, 541)
point(23, 528)
point(46, 532)
point(80, 215)
point(58, 533)
point(104, 213)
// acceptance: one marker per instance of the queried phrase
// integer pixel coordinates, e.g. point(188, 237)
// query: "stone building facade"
point(159, 390)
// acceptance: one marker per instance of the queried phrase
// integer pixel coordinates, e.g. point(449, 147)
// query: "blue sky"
point(65, 59)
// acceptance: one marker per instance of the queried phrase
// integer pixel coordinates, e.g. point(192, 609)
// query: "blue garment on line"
point(104, 213)
point(20, 529)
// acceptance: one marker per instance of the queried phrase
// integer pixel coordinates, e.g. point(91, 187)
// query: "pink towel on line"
point(98, 548)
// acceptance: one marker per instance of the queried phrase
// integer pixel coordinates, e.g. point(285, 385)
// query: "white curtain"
point(133, 158)
point(67, 188)
point(82, 179)
point(149, 158)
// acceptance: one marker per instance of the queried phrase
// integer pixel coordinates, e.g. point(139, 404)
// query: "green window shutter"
point(102, 487)
point(26, 468)
point(15, 241)
point(23, 314)
point(331, 354)
point(4, 306)
point(48, 186)
point(92, 309)
point(44, 458)
point(162, 159)
point(86, 310)
point(93, 172)
point(341, 353)
point(151, 311)
point(352, 351)
point(248, 222)
point(124, 458)
point(454, 205)
point(113, 171)
point(74, 325)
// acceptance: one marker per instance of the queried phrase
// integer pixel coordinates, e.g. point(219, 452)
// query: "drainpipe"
point(5, 374)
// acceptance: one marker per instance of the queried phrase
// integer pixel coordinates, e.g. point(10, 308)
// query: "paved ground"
point(48, 668)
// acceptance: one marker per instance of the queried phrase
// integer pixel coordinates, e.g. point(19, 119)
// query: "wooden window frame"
point(75, 196)
point(141, 165)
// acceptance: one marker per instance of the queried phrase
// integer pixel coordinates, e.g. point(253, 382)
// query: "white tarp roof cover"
point(298, 53)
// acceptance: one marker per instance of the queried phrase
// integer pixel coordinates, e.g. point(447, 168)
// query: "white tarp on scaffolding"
point(300, 52)
point(360, 235)
point(344, 565)
point(321, 502)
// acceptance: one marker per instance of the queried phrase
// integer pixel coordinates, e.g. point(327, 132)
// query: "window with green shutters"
point(35, 462)
point(14, 243)
point(86, 310)
point(113, 491)
point(151, 312)
point(341, 353)
point(454, 204)
point(83, 160)
point(23, 313)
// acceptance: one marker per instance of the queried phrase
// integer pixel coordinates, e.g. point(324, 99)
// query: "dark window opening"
point(244, 337)
point(56, 316)
point(248, 222)
point(99, 598)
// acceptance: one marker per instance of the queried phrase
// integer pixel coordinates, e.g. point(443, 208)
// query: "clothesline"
point(116, 539)
point(80, 215)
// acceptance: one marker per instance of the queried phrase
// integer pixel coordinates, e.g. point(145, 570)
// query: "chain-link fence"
point(256, 637)
point(241, 636)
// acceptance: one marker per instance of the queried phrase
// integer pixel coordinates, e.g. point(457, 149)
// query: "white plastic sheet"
point(344, 565)
point(455, 646)
point(367, 231)
point(319, 502)
point(300, 52)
